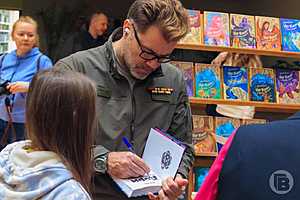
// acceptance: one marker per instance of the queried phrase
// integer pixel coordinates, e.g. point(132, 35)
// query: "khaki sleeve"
point(181, 125)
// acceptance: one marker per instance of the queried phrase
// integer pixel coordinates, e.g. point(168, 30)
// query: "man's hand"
point(171, 189)
point(19, 86)
point(126, 165)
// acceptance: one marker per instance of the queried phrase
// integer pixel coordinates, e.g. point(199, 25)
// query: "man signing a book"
point(137, 89)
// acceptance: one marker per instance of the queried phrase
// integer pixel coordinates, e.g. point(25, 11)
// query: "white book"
point(163, 155)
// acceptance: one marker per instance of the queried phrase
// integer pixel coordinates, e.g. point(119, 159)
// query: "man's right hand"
point(126, 165)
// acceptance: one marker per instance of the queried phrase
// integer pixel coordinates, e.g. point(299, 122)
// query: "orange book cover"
point(268, 35)
point(195, 34)
point(203, 134)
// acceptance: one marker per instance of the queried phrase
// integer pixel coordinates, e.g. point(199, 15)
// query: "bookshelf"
point(197, 103)
point(239, 50)
point(206, 160)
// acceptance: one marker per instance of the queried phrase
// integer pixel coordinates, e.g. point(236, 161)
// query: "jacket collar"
point(116, 35)
point(34, 51)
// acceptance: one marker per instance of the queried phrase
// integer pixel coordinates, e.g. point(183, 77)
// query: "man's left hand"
point(171, 189)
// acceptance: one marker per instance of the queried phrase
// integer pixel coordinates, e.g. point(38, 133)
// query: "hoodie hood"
point(29, 175)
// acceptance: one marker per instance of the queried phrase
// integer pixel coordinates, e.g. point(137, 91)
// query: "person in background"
point(55, 163)
point(259, 161)
point(16, 71)
point(138, 89)
point(91, 36)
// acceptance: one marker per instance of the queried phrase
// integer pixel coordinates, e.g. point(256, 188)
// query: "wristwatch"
point(100, 164)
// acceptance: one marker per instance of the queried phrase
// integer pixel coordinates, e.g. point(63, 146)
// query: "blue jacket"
point(36, 175)
point(263, 162)
point(15, 68)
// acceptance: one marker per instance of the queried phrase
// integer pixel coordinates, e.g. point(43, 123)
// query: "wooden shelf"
point(259, 106)
point(239, 50)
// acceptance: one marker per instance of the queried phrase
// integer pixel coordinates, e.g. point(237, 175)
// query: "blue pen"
point(129, 146)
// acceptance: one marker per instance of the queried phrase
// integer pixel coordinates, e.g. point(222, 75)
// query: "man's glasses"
point(148, 54)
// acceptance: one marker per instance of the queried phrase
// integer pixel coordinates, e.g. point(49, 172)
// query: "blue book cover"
point(207, 79)
point(262, 85)
point(235, 83)
point(200, 175)
point(290, 34)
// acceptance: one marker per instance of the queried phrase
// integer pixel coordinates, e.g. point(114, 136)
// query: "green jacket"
point(123, 111)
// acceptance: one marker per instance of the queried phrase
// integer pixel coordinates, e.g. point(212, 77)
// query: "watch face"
point(100, 165)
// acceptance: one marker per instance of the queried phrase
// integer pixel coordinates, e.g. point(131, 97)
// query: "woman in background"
point(16, 71)
point(55, 163)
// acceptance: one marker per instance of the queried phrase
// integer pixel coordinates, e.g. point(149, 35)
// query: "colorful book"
point(235, 83)
point(242, 31)
point(253, 121)
point(287, 86)
point(195, 34)
point(188, 73)
point(290, 34)
point(262, 85)
point(216, 29)
point(200, 174)
point(203, 137)
point(207, 81)
point(224, 127)
point(268, 35)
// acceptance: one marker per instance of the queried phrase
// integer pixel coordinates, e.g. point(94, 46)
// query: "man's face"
point(144, 52)
point(100, 24)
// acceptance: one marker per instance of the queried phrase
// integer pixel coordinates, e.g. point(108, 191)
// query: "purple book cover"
point(288, 87)
point(188, 73)
point(242, 31)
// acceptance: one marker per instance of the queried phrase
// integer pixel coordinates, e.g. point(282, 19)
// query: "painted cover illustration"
point(235, 83)
point(224, 127)
point(253, 121)
point(290, 34)
point(200, 175)
point(195, 34)
point(188, 73)
point(203, 134)
point(288, 86)
point(262, 85)
point(242, 31)
point(268, 35)
point(216, 29)
point(207, 80)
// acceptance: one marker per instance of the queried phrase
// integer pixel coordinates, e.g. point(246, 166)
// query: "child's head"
point(60, 116)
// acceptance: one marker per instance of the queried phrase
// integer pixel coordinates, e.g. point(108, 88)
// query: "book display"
point(268, 88)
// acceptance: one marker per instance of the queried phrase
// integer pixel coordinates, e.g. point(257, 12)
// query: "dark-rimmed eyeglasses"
point(148, 54)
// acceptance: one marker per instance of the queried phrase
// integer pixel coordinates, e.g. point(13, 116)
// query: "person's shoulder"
point(71, 190)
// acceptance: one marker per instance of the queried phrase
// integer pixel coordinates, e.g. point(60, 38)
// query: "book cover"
point(207, 81)
point(203, 137)
point(287, 86)
point(163, 155)
point(253, 121)
point(235, 83)
point(194, 36)
point(290, 34)
point(262, 85)
point(268, 35)
point(200, 175)
point(216, 29)
point(188, 73)
point(224, 127)
point(242, 31)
